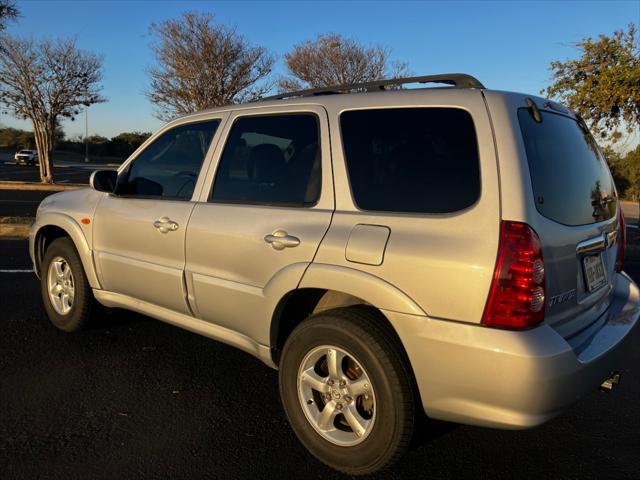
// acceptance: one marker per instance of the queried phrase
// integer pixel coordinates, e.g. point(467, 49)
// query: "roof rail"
point(457, 80)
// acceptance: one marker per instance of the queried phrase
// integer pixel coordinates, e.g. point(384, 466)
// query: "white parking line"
point(16, 271)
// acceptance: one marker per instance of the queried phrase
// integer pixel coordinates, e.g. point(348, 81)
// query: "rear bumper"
point(471, 374)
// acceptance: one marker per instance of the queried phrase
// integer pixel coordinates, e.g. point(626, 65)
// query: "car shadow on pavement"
point(428, 430)
point(116, 317)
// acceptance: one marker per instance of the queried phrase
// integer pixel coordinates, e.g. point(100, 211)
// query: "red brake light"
point(517, 295)
point(622, 241)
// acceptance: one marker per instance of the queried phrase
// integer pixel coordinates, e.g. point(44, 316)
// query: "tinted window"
point(169, 166)
point(411, 159)
point(571, 182)
point(272, 159)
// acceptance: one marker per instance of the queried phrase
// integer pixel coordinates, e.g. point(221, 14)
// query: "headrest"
point(266, 163)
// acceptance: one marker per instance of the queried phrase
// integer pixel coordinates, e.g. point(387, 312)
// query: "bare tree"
point(8, 11)
point(45, 81)
point(201, 64)
point(335, 60)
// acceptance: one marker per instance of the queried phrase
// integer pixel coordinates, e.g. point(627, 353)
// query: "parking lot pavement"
point(63, 171)
point(21, 203)
point(25, 202)
point(136, 398)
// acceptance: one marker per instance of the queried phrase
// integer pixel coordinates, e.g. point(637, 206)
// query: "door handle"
point(280, 240)
point(165, 224)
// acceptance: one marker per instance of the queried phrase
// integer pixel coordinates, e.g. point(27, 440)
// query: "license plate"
point(594, 272)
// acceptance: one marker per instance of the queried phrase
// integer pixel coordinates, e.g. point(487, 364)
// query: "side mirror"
point(104, 180)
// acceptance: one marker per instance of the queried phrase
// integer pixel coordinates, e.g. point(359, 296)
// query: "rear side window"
point(571, 181)
point(270, 160)
point(421, 160)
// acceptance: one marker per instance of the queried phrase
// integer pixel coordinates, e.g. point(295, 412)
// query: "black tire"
point(84, 303)
point(358, 331)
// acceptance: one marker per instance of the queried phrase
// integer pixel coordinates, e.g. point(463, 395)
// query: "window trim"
point(229, 129)
point(401, 212)
point(125, 169)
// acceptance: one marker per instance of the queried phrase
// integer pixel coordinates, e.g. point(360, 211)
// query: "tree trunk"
point(49, 134)
point(44, 140)
point(38, 139)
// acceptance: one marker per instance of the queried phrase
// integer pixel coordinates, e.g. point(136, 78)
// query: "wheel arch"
point(326, 287)
point(57, 225)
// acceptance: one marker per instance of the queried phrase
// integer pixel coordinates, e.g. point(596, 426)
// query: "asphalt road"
point(21, 203)
point(136, 398)
point(63, 171)
point(25, 202)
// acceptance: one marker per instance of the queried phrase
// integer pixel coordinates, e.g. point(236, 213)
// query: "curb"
point(15, 227)
point(54, 187)
point(14, 230)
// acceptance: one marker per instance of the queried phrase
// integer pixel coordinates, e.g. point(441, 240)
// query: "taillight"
point(622, 241)
point(517, 295)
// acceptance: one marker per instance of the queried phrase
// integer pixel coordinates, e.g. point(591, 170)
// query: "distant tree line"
point(625, 169)
point(18, 139)
point(120, 146)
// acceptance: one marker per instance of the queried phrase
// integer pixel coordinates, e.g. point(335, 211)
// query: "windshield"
point(571, 181)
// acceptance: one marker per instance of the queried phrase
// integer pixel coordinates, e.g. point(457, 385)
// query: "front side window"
point(169, 166)
point(271, 160)
point(422, 160)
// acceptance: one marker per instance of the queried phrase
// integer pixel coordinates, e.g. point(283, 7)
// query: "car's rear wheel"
point(66, 293)
point(347, 390)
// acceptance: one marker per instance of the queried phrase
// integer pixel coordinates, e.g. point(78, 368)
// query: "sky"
point(507, 45)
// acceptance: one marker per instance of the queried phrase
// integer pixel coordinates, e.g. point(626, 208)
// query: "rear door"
point(574, 194)
point(258, 225)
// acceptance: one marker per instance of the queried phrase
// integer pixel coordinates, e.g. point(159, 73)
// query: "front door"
point(139, 232)
point(252, 236)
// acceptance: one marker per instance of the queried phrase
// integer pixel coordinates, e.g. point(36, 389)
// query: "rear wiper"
point(533, 110)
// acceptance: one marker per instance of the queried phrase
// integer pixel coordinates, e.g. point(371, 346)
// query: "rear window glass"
point(571, 181)
point(421, 160)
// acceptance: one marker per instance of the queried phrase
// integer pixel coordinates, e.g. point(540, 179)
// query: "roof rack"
point(457, 80)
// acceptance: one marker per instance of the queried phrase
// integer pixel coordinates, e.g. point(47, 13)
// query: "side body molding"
point(369, 288)
point(73, 229)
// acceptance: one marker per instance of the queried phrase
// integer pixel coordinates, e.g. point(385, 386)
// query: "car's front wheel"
point(66, 293)
point(347, 390)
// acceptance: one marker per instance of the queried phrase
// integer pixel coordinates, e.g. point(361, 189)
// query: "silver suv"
point(454, 251)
